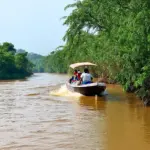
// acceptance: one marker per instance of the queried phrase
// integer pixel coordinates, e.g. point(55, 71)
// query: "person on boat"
point(74, 78)
point(79, 75)
point(86, 77)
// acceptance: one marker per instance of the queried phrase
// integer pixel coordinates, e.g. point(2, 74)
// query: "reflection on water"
point(95, 103)
point(40, 113)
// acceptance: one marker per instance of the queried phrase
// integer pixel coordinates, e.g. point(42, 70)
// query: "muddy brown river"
point(39, 113)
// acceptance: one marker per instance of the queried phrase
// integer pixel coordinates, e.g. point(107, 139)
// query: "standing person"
point(79, 75)
point(75, 75)
point(86, 77)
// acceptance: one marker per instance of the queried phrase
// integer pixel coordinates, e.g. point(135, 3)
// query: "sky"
point(33, 25)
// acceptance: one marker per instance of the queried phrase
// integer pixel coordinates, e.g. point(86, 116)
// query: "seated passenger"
point(86, 77)
point(74, 78)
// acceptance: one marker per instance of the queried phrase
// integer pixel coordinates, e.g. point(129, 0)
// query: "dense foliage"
point(56, 61)
point(37, 60)
point(13, 65)
point(115, 34)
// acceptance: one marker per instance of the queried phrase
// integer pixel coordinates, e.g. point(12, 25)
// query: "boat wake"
point(63, 91)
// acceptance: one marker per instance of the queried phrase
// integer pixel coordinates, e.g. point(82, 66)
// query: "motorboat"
point(91, 89)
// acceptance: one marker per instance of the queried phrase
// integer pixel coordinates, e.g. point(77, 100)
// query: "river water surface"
point(40, 114)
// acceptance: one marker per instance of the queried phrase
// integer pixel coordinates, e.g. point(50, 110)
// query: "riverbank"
point(15, 76)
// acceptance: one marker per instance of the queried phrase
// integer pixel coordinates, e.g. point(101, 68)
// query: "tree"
point(8, 47)
point(12, 65)
point(115, 34)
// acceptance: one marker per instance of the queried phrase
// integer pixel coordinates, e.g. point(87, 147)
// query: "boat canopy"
point(82, 64)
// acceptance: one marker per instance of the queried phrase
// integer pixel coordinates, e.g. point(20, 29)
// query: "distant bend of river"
point(39, 113)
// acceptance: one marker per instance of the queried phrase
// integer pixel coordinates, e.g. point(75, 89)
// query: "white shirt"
point(86, 77)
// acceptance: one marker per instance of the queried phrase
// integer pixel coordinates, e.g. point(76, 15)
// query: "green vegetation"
point(56, 61)
point(13, 65)
point(115, 34)
point(37, 60)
